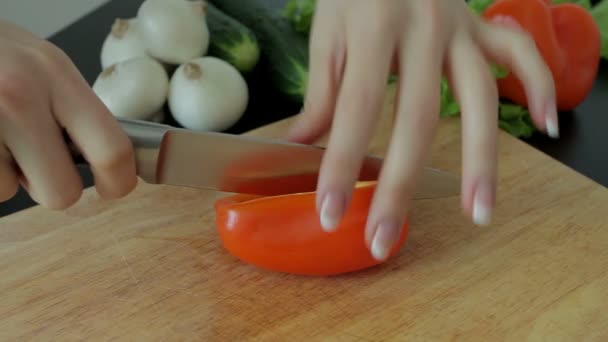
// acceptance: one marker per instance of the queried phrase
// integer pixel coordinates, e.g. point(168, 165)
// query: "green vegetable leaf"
point(300, 14)
point(510, 111)
point(449, 105)
point(584, 3)
point(499, 71)
point(515, 120)
point(600, 13)
point(478, 6)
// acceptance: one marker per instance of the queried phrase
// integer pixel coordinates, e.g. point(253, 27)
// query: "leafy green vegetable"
point(515, 120)
point(478, 6)
point(449, 105)
point(600, 13)
point(499, 71)
point(584, 3)
point(300, 14)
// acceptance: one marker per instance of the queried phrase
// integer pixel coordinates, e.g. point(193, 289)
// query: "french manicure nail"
point(552, 128)
point(384, 240)
point(482, 209)
point(332, 210)
point(551, 121)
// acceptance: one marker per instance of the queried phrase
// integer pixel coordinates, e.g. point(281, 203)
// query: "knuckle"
point(379, 27)
point(524, 44)
point(429, 20)
point(121, 153)
point(15, 87)
point(64, 200)
point(9, 188)
point(430, 11)
point(48, 54)
point(119, 192)
point(379, 10)
point(377, 16)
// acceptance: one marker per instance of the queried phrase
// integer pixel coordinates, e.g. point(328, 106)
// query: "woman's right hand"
point(41, 94)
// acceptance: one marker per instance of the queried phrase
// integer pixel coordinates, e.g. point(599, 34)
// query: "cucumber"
point(231, 41)
point(284, 49)
point(300, 13)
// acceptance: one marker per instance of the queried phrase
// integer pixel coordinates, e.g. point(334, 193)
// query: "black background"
point(583, 144)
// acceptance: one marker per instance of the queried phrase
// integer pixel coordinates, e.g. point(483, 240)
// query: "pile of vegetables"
point(207, 48)
point(186, 55)
point(582, 36)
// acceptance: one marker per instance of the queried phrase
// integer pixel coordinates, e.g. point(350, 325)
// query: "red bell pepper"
point(275, 172)
point(283, 233)
point(567, 37)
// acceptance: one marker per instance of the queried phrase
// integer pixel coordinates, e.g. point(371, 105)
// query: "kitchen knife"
point(244, 164)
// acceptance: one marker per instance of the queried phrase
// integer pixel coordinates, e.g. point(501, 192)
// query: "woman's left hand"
point(355, 44)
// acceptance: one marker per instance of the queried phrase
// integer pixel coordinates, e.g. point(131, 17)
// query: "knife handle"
point(143, 135)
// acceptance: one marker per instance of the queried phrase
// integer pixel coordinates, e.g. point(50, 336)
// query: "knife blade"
point(245, 164)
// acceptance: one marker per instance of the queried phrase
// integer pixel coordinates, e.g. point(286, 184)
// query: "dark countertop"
point(583, 145)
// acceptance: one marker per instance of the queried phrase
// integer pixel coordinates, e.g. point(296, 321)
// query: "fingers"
point(9, 183)
point(42, 92)
point(476, 90)
point(37, 147)
point(416, 118)
point(370, 52)
point(32, 141)
point(510, 46)
point(96, 133)
point(327, 52)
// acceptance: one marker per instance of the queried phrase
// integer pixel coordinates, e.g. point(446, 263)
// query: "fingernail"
point(551, 121)
point(332, 210)
point(482, 205)
point(383, 241)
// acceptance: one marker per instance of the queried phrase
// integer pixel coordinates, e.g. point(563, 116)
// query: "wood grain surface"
point(151, 267)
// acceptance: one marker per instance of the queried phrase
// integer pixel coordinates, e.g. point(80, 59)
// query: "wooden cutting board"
point(151, 267)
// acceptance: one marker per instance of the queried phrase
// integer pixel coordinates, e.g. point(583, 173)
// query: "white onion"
point(135, 89)
point(122, 43)
point(172, 30)
point(207, 94)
